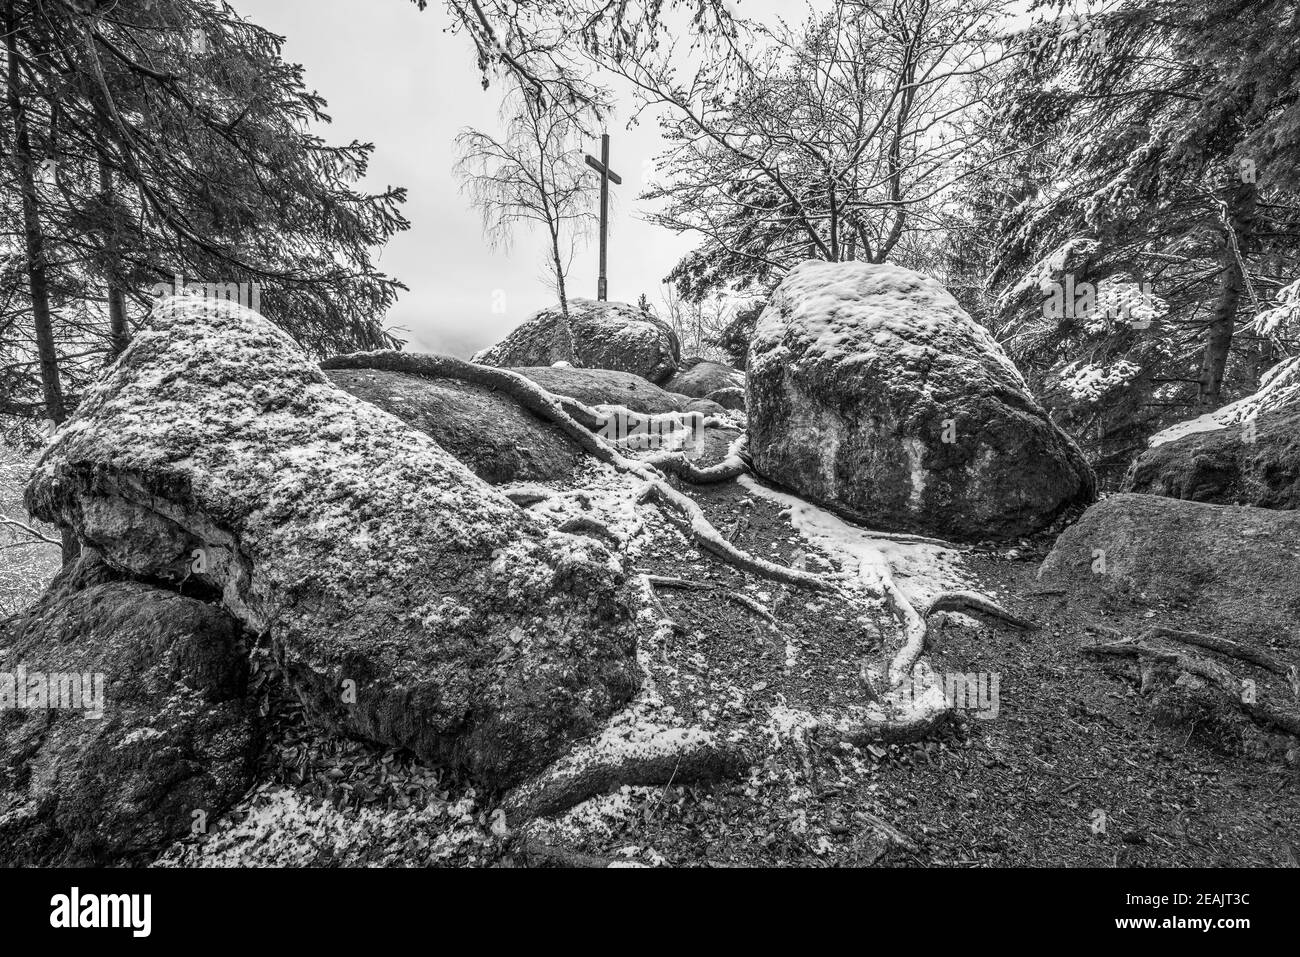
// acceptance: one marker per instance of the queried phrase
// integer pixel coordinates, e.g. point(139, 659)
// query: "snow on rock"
point(1256, 463)
point(871, 392)
point(606, 335)
point(408, 602)
point(1279, 391)
point(277, 827)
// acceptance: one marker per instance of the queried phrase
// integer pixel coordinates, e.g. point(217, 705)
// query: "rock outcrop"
point(871, 391)
point(595, 387)
point(729, 398)
point(1254, 463)
point(406, 601)
point(606, 335)
point(484, 429)
point(124, 722)
point(703, 406)
point(1227, 570)
point(698, 378)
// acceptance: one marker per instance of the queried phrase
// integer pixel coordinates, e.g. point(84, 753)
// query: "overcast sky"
point(394, 77)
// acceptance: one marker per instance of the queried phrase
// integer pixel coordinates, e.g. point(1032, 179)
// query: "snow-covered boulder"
point(606, 335)
point(123, 712)
point(698, 378)
point(406, 600)
point(871, 391)
point(1256, 462)
point(491, 433)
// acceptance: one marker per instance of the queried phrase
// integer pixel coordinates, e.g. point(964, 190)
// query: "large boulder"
point(1254, 463)
point(871, 392)
point(1230, 570)
point(406, 600)
point(595, 387)
point(698, 378)
point(491, 433)
point(606, 335)
point(124, 724)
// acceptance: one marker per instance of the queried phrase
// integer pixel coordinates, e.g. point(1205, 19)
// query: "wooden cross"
point(607, 175)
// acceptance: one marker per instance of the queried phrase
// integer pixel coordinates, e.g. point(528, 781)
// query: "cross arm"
point(600, 168)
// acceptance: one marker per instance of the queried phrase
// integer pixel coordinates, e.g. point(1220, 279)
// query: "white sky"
point(393, 76)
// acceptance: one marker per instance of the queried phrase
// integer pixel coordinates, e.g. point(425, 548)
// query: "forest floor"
point(26, 564)
point(1071, 769)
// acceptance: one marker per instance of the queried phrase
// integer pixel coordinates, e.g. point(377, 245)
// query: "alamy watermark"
point(669, 432)
point(1133, 303)
point(23, 690)
point(246, 294)
point(974, 692)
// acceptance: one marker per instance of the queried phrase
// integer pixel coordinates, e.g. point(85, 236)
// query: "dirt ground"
point(1074, 769)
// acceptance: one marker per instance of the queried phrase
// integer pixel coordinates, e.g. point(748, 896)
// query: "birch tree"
point(532, 175)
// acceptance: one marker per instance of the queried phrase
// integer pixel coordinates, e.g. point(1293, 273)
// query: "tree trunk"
point(33, 238)
point(34, 241)
point(564, 334)
point(119, 334)
point(1241, 200)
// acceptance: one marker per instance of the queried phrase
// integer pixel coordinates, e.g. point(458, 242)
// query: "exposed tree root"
point(534, 853)
point(542, 403)
point(917, 630)
point(526, 495)
point(731, 466)
point(667, 581)
point(1215, 674)
point(868, 731)
point(646, 754)
point(702, 532)
point(661, 581)
point(634, 751)
point(684, 755)
point(1224, 646)
point(969, 601)
point(668, 755)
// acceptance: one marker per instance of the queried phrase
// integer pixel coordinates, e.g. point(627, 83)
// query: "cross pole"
point(607, 176)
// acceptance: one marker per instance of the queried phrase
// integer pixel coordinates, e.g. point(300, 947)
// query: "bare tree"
point(543, 46)
point(533, 174)
point(698, 324)
point(838, 140)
